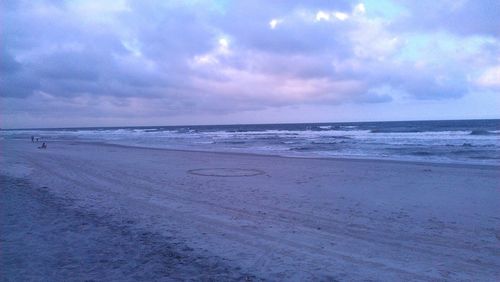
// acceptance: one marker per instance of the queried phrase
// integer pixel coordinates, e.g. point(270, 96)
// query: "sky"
point(125, 63)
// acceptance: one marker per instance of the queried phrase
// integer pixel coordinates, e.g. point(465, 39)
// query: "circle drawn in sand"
point(225, 172)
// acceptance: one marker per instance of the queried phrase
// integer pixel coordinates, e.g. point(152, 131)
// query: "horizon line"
point(238, 124)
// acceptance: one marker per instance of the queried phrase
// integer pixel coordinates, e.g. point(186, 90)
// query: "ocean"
point(444, 141)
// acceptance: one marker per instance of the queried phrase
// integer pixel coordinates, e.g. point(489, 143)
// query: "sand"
point(83, 211)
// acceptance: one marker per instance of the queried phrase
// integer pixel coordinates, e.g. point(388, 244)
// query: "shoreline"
point(286, 219)
point(333, 158)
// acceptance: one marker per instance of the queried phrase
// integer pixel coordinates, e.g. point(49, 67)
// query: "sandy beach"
point(88, 211)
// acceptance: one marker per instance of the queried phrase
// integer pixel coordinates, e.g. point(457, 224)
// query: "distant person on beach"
point(32, 139)
point(44, 146)
point(37, 139)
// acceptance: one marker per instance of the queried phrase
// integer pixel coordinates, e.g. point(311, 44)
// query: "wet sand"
point(147, 214)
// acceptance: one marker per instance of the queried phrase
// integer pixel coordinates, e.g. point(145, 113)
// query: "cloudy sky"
point(111, 63)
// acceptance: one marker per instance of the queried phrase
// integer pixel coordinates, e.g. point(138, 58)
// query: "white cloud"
point(490, 78)
point(223, 42)
point(133, 46)
point(359, 9)
point(322, 15)
point(274, 23)
point(205, 59)
point(213, 57)
point(371, 40)
point(341, 16)
point(328, 16)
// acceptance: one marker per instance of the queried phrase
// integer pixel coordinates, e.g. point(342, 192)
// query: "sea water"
point(451, 141)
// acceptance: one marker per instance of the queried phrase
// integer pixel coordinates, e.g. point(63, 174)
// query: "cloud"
point(162, 58)
point(490, 78)
point(464, 17)
point(9, 64)
point(274, 23)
